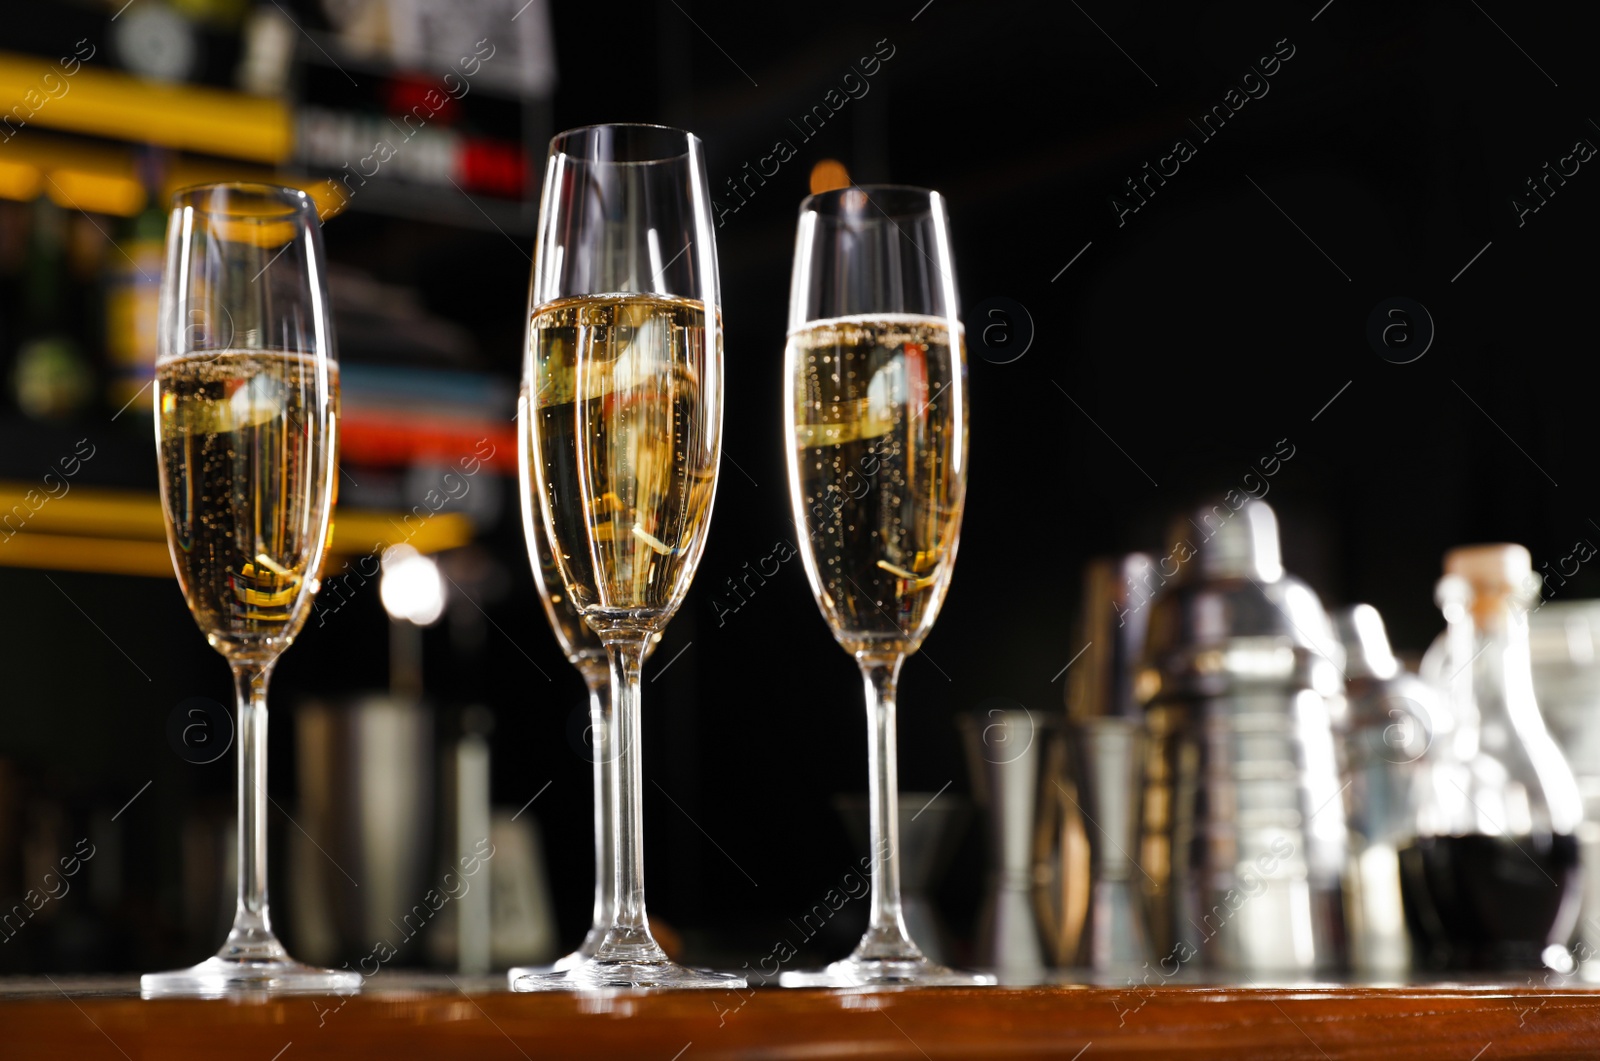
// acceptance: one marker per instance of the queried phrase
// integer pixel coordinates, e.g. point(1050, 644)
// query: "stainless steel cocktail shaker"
point(1243, 828)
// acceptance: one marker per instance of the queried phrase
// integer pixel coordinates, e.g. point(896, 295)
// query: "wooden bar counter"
point(402, 1017)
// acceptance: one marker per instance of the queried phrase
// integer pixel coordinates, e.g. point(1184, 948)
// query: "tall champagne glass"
point(247, 407)
point(623, 399)
point(584, 651)
point(875, 409)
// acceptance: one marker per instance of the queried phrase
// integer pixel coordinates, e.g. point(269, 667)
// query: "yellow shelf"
point(112, 104)
point(123, 532)
point(103, 178)
point(104, 556)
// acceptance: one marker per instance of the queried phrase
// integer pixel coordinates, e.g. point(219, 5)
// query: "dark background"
point(1191, 338)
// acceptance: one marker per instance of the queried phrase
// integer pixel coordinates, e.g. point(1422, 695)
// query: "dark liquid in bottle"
point(1489, 902)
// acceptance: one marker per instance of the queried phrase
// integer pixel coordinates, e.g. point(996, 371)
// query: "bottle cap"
point(1497, 575)
point(1498, 568)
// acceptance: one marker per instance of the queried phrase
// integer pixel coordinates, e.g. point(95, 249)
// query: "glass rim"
point(827, 204)
point(295, 201)
point(691, 142)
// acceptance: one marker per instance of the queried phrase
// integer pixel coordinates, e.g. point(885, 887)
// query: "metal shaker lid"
point(1231, 614)
point(1240, 543)
point(1111, 627)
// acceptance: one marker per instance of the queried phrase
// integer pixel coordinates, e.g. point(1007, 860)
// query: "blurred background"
point(1154, 344)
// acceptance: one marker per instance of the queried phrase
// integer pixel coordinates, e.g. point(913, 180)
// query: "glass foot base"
point(228, 977)
point(914, 972)
point(591, 974)
point(560, 965)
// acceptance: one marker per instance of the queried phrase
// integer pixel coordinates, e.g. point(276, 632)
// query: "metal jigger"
point(1105, 749)
point(1105, 755)
point(1005, 750)
point(931, 827)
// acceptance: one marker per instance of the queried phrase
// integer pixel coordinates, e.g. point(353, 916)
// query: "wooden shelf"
point(433, 1017)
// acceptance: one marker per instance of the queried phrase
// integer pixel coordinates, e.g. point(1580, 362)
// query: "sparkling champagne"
point(878, 439)
point(581, 645)
point(247, 443)
point(622, 388)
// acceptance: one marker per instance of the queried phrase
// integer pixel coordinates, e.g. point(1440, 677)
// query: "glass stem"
point(598, 680)
point(629, 938)
point(886, 937)
point(251, 938)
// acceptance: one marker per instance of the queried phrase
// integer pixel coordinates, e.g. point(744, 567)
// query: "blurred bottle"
point(1390, 724)
point(1492, 879)
point(51, 377)
point(267, 53)
point(503, 916)
point(1565, 639)
point(133, 299)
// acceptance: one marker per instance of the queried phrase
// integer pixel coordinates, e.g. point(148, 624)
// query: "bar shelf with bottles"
point(115, 113)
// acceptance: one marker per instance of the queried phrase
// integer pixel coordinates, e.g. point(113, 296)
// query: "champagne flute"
point(623, 404)
point(875, 407)
point(584, 651)
point(247, 406)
